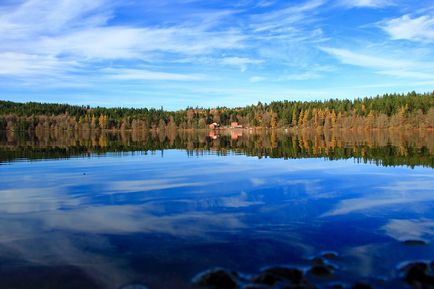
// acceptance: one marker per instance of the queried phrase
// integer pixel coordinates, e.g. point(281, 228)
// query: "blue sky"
point(178, 53)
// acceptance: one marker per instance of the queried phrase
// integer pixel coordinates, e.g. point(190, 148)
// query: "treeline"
point(411, 110)
point(392, 149)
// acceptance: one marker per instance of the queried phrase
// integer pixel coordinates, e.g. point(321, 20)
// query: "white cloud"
point(257, 78)
point(302, 76)
point(366, 3)
point(119, 42)
point(78, 30)
point(360, 59)
point(241, 62)
point(408, 74)
point(46, 16)
point(283, 20)
point(19, 64)
point(265, 3)
point(408, 28)
point(143, 74)
point(397, 67)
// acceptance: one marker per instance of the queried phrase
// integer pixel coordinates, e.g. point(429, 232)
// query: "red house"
point(235, 124)
point(213, 125)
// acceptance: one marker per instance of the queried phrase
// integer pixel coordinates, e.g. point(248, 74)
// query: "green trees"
point(411, 110)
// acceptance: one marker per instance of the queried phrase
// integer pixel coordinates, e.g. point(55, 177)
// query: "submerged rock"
point(330, 255)
point(257, 286)
point(415, 243)
point(300, 286)
point(317, 261)
point(275, 275)
point(321, 271)
point(216, 279)
point(134, 286)
point(267, 279)
point(303, 285)
point(418, 275)
point(360, 285)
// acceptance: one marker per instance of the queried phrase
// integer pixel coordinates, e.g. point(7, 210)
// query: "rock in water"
point(321, 271)
point(275, 275)
point(330, 255)
point(415, 243)
point(418, 275)
point(317, 261)
point(361, 285)
point(257, 286)
point(281, 277)
point(134, 286)
point(216, 279)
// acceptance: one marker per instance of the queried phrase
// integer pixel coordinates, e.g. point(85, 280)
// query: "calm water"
point(106, 211)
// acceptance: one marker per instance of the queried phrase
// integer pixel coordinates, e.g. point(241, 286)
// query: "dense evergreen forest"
point(411, 110)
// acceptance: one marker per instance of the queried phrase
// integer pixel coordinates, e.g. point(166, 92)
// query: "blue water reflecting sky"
point(160, 218)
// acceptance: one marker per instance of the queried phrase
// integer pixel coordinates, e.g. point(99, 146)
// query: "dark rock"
point(303, 285)
point(415, 272)
point(266, 278)
point(275, 275)
point(257, 286)
point(217, 279)
point(360, 285)
point(321, 271)
point(317, 261)
point(415, 243)
point(330, 255)
point(134, 286)
point(291, 274)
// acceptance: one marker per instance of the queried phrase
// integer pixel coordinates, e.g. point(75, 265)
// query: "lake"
point(153, 210)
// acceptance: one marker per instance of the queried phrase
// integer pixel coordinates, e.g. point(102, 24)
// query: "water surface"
point(105, 211)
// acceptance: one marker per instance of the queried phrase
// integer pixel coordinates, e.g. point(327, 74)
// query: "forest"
point(404, 111)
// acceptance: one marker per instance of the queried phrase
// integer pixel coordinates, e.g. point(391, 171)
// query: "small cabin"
point(213, 125)
point(235, 124)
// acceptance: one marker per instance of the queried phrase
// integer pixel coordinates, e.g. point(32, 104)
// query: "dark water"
point(109, 210)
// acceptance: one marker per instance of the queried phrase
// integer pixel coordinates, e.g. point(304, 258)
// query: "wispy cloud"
point(21, 64)
point(283, 20)
point(241, 62)
point(257, 78)
point(143, 74)
point(410, 28)
point(79, 30)
point(398, 67)
point(33, 17)
point(121, 42)
point(302, 76)
point(367, 3)
point(84, 48)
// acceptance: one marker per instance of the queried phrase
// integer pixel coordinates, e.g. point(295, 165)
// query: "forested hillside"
point(411, 110)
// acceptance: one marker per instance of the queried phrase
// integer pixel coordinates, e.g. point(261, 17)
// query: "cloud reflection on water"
point(66, 217)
